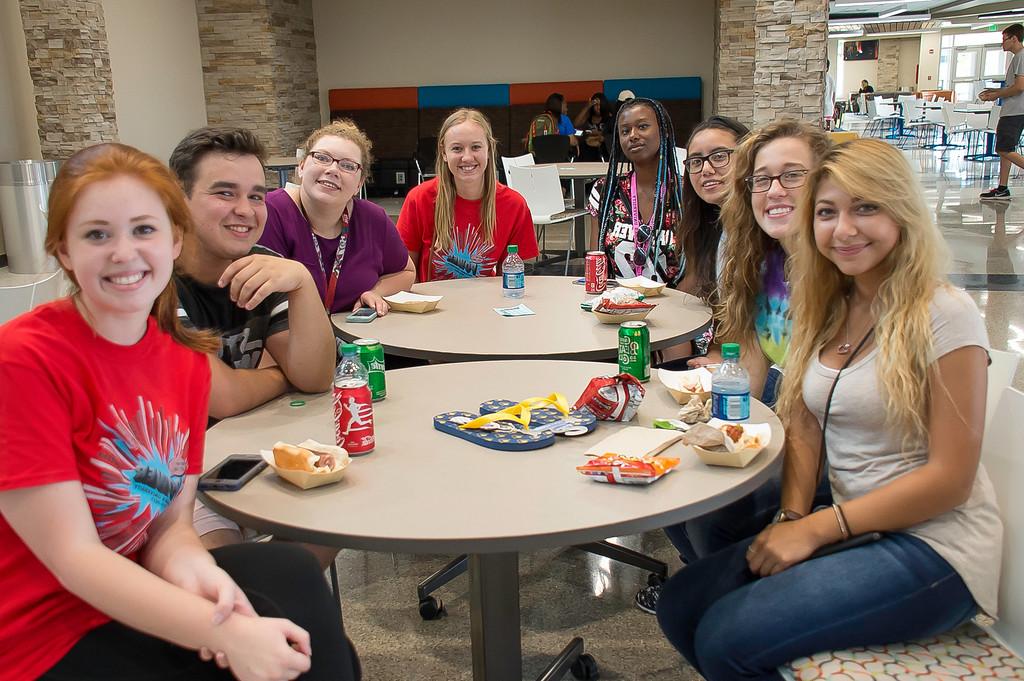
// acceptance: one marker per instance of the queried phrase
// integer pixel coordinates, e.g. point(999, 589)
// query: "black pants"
point(281, 580)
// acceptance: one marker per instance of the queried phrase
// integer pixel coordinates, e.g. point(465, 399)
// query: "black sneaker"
point(997, 193)
point(647, 598)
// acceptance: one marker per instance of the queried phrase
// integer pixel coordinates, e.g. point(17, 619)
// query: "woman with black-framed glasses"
point(350, 246)
point(708, 163)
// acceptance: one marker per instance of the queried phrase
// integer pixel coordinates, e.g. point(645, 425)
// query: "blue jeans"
point(743, 518)
point(730, 624)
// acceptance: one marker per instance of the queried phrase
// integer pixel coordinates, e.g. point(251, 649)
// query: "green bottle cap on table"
point(730, 350)
point(512, 248)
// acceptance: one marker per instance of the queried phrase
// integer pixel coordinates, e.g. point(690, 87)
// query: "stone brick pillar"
point(734, 59)
point(259, 68)
point(69, 63)
point(785, 76)
point(888, 65)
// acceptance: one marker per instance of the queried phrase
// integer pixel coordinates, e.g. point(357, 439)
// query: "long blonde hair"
point(444, 207)
point(746, 244)
point(875, 171)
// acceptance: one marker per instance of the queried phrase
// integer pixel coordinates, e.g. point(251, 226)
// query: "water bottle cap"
point(730, 350)
point(348, 349)
point(512, 248)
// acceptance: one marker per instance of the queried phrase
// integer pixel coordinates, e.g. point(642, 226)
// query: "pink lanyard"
point(636, 225)
point(331, 283)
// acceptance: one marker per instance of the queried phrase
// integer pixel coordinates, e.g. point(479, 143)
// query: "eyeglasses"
point(322, 158)
point(717, 159)
point(791, 179)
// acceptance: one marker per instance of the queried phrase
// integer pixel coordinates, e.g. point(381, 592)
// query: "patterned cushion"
point(969, 653)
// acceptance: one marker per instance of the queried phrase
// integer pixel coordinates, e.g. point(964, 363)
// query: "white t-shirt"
point(865, 453)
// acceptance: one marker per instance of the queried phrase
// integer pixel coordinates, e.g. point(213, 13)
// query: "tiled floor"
point(567, 592)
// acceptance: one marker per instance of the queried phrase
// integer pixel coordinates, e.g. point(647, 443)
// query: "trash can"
point(24, 192)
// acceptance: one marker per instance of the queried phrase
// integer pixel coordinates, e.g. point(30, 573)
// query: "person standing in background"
point(1011, 116)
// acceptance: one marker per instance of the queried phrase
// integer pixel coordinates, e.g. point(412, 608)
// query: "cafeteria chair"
point(551, 148)
point(882, 120)
point(542, 190)
point(508, 161)
point(425, 157)
point(978, 649)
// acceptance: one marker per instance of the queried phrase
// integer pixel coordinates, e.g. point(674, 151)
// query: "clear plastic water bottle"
point(730, 387)
point(353, 406)
point(513, 274)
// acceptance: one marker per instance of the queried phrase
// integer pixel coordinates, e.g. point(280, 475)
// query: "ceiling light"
point(891, 13)
point(908, 17)
point(849, 34)
point(995, 16)
point(847, 3)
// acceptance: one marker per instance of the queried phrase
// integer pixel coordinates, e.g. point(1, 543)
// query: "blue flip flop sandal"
point(503, 434)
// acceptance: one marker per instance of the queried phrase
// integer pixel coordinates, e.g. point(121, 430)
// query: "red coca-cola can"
point(353, 418)
point(596, 272)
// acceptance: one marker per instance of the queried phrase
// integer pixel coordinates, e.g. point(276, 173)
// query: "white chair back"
point(913, 109)
point(1000, 376)
point(540, 187)
point(681, 159)
point(872, 108)
point(993, 117)
point(904, 100)
point(509, 161)
point(950, 118)
point(977, 121)
point(1001, 453)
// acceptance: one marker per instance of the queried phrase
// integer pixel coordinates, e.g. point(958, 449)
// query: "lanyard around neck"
point(635, 216)
point(330, 283)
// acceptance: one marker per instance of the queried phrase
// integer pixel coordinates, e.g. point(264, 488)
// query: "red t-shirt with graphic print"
point(469, 255)
point(127, 422)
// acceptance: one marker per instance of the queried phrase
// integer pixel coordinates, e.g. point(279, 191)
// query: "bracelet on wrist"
point(844, 529)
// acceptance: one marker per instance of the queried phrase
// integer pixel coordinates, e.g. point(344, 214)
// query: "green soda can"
point(371, 354)
point(635, 350)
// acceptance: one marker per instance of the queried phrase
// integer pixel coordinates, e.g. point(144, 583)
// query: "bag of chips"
point(627, 470)
point(612, 398)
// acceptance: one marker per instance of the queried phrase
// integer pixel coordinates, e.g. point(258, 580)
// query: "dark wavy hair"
point(699, 231)
point(198, 143)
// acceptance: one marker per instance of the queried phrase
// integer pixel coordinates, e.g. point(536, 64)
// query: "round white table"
point(465, 327)
point(424, 491)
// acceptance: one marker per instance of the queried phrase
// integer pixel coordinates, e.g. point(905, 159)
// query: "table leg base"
point(571, 659)
point(494, 617)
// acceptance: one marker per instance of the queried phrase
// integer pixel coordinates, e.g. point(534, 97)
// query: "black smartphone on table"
point(232, 473)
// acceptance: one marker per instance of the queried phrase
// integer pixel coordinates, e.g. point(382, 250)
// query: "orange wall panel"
point(537, 93)
point(373, 98)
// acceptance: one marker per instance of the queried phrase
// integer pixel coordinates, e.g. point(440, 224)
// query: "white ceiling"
point(915, 12)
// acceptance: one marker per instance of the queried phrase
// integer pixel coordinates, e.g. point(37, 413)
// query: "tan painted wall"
point(928, 58)
point(19, 134)
point(411, 43)
point(157, 72)
point(855, 71)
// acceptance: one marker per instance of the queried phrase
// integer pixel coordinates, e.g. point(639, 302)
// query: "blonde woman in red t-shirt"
point(460, 223)
point(101, 445)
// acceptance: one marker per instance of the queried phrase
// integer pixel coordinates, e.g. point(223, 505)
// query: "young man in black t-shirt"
point(276, 335)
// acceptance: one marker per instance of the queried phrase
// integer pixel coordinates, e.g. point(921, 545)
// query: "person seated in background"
point(595, 120)
point(554, 120)
point(887, 375)
point(865, 88)
point(638, 213)
point(459, 224)
point(274, 333)
point(349, 245)
point(103, 575)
